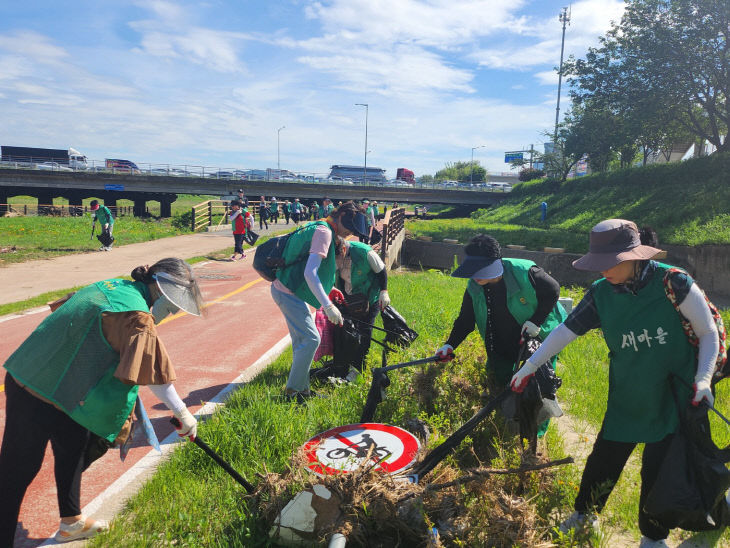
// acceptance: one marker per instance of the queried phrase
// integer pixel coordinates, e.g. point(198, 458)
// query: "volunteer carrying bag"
point(269, 256)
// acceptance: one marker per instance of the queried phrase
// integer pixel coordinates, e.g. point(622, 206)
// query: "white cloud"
point(589, 19)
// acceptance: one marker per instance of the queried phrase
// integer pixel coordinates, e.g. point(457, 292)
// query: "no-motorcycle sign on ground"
point(343, 449)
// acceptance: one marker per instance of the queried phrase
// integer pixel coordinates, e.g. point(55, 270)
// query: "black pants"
point(238, 243)
point(602, 471)
point(262, 222)
point(29, 424)
point(286, 216)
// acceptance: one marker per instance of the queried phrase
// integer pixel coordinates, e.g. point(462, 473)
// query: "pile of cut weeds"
point(476, 507)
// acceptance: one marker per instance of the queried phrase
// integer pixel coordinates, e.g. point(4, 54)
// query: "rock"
point(513, 246)
point(450, 241)
point(554, 249)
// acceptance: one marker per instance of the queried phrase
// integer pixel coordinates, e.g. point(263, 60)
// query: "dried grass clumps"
point(476, 508)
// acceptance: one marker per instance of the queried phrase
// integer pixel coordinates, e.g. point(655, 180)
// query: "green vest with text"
point(296, 253)
point(362, 277)
point(521, 298)
point(68, 361)
point(646, 345)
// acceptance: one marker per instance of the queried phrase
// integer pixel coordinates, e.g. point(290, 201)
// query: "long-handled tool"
point(440, 452)
point(93, 228)
point(381, 381)
point(217, 458)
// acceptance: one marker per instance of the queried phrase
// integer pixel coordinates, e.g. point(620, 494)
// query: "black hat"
point(355, 222)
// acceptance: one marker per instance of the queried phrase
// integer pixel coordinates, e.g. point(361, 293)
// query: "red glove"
point(336, 296)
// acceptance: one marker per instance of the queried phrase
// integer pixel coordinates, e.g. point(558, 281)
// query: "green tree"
point(663, 72)
point(462, 171)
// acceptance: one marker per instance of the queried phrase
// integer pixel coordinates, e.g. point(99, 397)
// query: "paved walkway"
point(20, 281)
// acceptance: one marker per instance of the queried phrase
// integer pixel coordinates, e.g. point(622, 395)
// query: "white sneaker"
point(78, 530)
point(646, 542)
point(578, 521)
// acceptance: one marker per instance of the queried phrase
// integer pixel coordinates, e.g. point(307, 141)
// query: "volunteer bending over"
point(74, 381)
point(310, 254)
point(363, 278)
point(503, 299)
point(646, 345)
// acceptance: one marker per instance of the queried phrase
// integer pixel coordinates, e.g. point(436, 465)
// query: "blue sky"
point(209, 83)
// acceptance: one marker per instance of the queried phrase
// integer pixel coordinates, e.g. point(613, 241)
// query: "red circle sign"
point(341, 450)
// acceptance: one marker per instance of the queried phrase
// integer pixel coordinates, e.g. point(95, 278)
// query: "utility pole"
point(365, 169)
point(471, 176)
point(564, 18)
point(532, 151)
point(278, 150)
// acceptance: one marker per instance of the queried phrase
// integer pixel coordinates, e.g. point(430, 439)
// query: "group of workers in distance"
point(74, 380)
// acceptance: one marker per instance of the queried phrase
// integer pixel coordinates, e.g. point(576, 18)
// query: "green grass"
point(192, 502)
point(532, 237)
point(45, 237)
point(687, 203)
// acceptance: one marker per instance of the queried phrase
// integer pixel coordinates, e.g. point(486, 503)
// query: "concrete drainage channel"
point(706, 263)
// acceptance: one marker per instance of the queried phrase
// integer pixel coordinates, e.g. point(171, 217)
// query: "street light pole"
point(564, 18)
point(471, 176)
point(278, 150)
point(365, 169)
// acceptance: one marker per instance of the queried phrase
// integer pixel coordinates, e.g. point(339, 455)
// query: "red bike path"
point(242, 324)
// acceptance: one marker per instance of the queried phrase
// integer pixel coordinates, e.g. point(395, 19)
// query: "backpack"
point(721, 371)
point(269, 256)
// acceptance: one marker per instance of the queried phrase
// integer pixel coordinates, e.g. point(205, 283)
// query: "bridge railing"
point(393, 235)
point(59, 210)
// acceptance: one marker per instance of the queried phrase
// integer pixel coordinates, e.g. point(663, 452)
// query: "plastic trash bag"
point(399, 332)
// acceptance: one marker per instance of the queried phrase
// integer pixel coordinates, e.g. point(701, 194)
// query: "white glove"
point(106, 226)
point(333, 314)
point(383, 299)
point(522, 377)
point(189, 426)
point(530, 328)
point(445, 353)
point(703, 392)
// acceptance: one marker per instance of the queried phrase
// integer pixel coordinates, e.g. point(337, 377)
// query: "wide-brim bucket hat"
point(180, 293)
point(612, 242)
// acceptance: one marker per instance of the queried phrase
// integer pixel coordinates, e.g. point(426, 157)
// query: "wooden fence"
point(68, 210)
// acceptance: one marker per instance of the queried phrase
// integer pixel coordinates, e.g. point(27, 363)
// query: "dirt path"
point(20, 281)
point(578, 438)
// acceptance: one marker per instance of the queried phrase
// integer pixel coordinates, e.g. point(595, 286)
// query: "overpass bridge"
point(110, 187)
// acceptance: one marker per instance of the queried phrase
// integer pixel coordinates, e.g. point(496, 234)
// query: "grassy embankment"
point(42, 237)
point(192, 502)
point(687, 203)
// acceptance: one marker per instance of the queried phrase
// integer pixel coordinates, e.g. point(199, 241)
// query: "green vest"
point(646, 344)
point(68, 361)
point(368, 211)
point(362, 277)
point(104, 216)
point(521, 298)
point(296, 251)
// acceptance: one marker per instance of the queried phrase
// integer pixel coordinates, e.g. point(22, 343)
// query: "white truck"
point(71, 157)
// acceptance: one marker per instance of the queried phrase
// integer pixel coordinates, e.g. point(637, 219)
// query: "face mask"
point(162, 308)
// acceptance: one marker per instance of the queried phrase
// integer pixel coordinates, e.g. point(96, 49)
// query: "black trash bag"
point(398, 331)
point(251, 237)
point(375, 237)
point(357, 305)
point(347, 344)
point(105, 238)
point(689, 491)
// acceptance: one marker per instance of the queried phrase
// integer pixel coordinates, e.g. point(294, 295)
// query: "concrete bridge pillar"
point(3, 202)
point(165, 208)
point(44, 197)
point(139, 207)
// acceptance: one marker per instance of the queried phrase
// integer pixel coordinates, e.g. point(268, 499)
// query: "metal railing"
point(66, 210)
point(244, 175)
